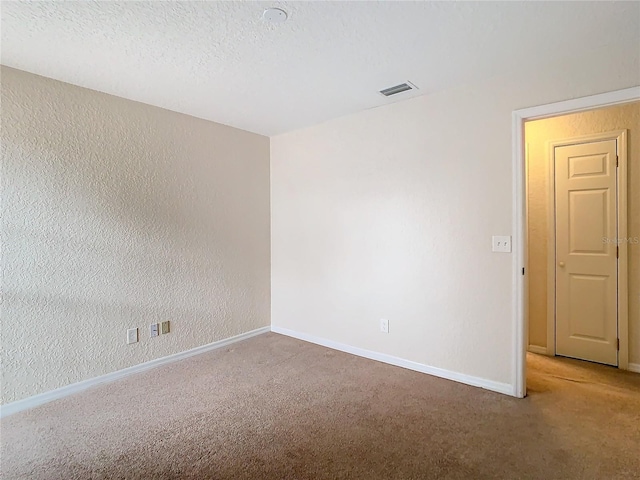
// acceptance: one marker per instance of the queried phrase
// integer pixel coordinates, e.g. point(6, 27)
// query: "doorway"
point(591, 133)
point(585, 202)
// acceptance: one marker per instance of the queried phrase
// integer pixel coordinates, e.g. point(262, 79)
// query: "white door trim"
point(620, 136)
point(520, 294)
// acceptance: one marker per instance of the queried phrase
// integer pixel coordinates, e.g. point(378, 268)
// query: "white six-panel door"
point(586, 259)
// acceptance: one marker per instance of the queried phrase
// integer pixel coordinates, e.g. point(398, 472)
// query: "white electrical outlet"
point(501, 243)
point(132, 335)
point(384, 325)
point(155, 329)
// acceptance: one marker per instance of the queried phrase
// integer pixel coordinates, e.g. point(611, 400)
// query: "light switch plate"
point(501, 243)
point(154, 329)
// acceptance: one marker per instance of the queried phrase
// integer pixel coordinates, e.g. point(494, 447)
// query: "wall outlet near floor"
point(132, 335)
point(384, 325)
point(164, 327)
point(154, 329)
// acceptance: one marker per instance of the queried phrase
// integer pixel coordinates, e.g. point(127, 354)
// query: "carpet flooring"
point(272, 407)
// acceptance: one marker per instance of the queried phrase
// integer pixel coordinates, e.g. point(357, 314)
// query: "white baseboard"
point(42, 398)
point(503, 388)
point(537, 349)
point(633, 367)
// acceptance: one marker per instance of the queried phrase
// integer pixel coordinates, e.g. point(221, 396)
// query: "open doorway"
point(577, 192)
point(577, 228)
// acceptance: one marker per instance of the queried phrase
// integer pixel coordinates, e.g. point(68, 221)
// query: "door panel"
point(586, 263)
point(587, 305)
point(588, 214)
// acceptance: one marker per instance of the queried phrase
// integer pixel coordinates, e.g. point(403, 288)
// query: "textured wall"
point(389, 213)
point(538, 133)
point(116, 214)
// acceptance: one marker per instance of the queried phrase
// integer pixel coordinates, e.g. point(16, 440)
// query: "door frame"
point(520, 291)
point(620, 136)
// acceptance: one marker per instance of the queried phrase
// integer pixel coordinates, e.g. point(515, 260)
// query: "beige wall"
point(116, 215)
point(537, 134)
point(389, 213)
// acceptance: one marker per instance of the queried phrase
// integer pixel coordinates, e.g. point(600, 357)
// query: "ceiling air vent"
point(403, 87)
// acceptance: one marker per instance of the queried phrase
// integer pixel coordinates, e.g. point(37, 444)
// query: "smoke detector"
point(274, 15)
point(396, 89)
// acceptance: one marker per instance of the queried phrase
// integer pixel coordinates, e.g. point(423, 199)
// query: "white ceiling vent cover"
point(402, 87)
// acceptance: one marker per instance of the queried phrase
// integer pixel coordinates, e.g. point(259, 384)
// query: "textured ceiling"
point(220, 61)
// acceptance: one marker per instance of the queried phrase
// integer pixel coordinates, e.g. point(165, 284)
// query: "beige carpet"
point(277, 408)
